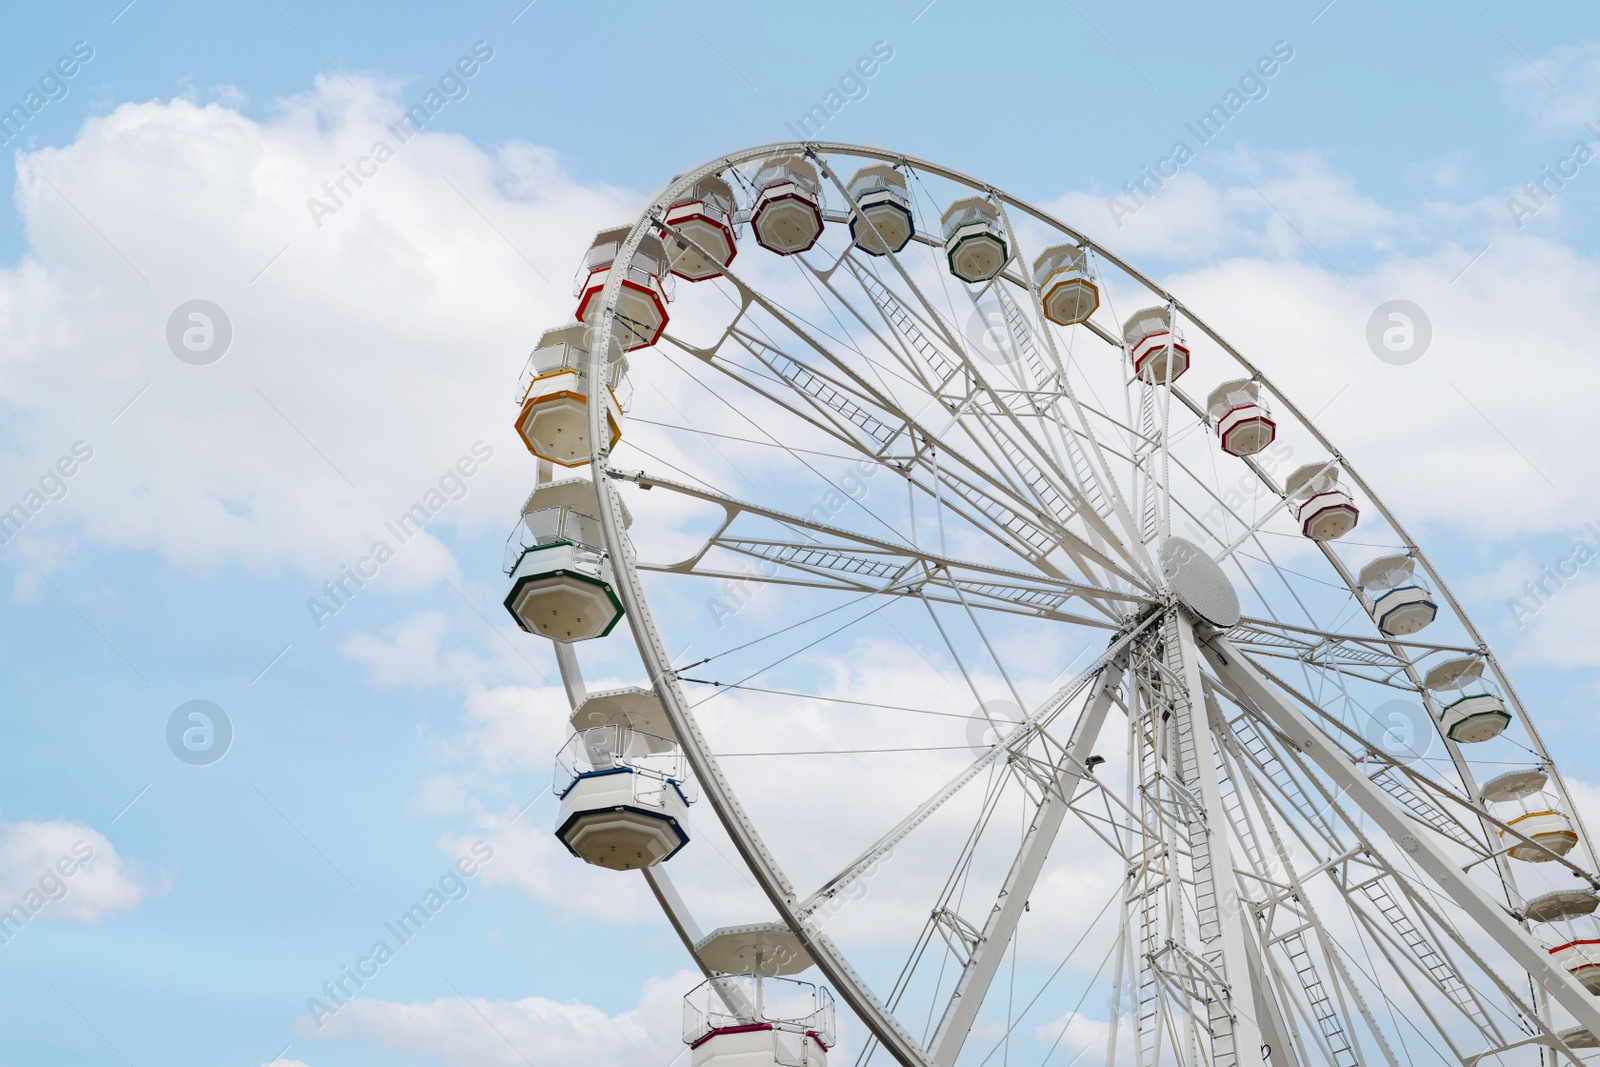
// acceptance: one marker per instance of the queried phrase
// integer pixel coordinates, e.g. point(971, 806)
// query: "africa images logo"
point(199, 733)
point(452, 86)
point(52, 87)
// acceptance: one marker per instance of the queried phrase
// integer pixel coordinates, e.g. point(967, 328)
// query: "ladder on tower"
point(1420, 946)
point(1022, 337)
point(1145, 454)
point(1233, 805)
point(1422, 809)
point(1151, 883)
point(1055, 503)
point(1329, 1019)
point(1202, 837)
point(1426, 955)
point(1083, 474)
point(943, 369)
point(1267, 761)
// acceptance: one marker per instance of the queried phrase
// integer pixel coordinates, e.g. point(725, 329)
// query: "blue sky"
point(1387, 95)
point(369, 752)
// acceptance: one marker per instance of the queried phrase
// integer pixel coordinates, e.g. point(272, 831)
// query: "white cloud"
point(530, 859)
point(1587, 798)
point(404, 315)
point(387, 340)
point(1075, 1033)
point(444, 795)
point(412, 658)
point(1488, 413)
point(517, 727)
point(1559, 91)
point(1562, 631)
point(66, 870)
point(509, 734)
point(1239, 202)
point(475, 1032)
point(1447, 173)
point(504, 750)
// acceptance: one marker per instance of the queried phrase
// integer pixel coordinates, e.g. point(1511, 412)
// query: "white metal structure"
point(1067, 295)
point(778, 1022)
point(705, 215)
point(883, 221)
point(1397, 597)
point(641, 306)
point(974, 240)
point(1322, 504)
point(1241, 417)
point(786, 213)
point(624, 797)
point(553, 419)
point(859, 542)
point(1471, 706)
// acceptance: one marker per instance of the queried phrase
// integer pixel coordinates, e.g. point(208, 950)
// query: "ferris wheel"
point(988, 612)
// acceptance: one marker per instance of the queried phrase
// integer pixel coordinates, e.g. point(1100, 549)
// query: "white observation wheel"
point(988, 616)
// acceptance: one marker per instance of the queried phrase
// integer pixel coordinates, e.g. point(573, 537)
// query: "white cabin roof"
point(1386, 565)
point(1146, 321)
point(633, 707)
point(879, 173)
point(979, 203)
point(573, 334)
point(1514, 785)
point(1072, 253)
point(1221, 393)
point(576, 494)
point(649, 244)
point(711, 185)
point(770, 949)
point(797, 165)
point(1451, 672)
point(1326, 473)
